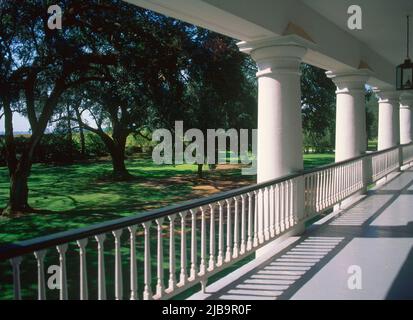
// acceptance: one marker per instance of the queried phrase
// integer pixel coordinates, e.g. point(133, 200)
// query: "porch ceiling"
point(384, 23)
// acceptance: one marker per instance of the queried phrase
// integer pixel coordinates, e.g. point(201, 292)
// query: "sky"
point(20, 123)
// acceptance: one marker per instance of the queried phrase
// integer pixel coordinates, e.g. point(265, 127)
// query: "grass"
point(75, 196)
point(78, 195)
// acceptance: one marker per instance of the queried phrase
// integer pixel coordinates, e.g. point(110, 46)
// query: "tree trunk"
point(18, 170)
point(69, 135)
point(19, 190)
point(116, 147)
point(200, 172)
point(81, 133)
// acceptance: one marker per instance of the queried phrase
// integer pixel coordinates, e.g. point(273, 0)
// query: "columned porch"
point(270, 218)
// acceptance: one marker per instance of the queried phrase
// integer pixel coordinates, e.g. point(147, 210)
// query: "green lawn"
point(77, 195)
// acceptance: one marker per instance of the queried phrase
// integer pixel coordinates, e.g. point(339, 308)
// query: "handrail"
point(23, 247)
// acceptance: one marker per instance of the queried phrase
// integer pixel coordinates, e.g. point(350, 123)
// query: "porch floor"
point(370, 243)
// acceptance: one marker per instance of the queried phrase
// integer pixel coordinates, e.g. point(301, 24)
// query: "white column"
point(406, 133)
point(280, 138)
point(351, 135)
point(280, 143)
point(389, 118)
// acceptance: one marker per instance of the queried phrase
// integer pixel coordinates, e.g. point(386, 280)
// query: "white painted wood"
point(61, 249)
point(118, 266)
point(351, 140)
point(193, 270)
point(147, 290)
point(203, 264)
point(243, 245)
point(255, 237)
point(250, 220)
point(267, 210)
point(183, 273)
point(101, 267)
point(159, 265)
point(172, 254)
point(277, 203)
point(261, 216)
point(41, 282)
point(220, 259)
point(228, 252)
point(84, 293)
point(236, 229)
point(271, 209)
point(282, 207)
point(211, 264)
point(15, 263)
point(133, 264)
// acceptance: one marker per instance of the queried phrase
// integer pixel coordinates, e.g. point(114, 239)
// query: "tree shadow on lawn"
point(75, 196)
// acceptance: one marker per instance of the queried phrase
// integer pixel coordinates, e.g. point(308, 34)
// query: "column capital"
point(406, 100)
point(347, 81)
point(278, 54)
point(387, 95)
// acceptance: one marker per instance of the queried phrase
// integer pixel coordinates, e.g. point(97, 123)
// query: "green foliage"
point(318, 108)
point(372, 115)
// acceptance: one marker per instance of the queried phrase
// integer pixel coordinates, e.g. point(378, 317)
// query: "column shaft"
point(389, 119)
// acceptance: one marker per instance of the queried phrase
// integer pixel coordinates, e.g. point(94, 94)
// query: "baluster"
point(229, 227)
point(267, 211)
point(101, 267)
point(330, 187)
point(15, 263)
point(182, 276)
point(286, 198)
point(294, 196)
point(118, 266)
point(133, 266)
point(335, 185)
point(84, 294)
point(255, 240)
point(282, 207)
point(243, 229)
point(220, 260)
point(318, 191)
point(236, 229)
point(63, 277)
point(41, 283)
point(159, 274)
point(212, 238)
point(202, 266)
point(261, 217)
point(312, 195)
point(271, 209)
point(324, 201)
point(291, 202)
point(172, 256)
point(147, 291)
point(194, 258)
point(277, 204)
point(250, 212)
